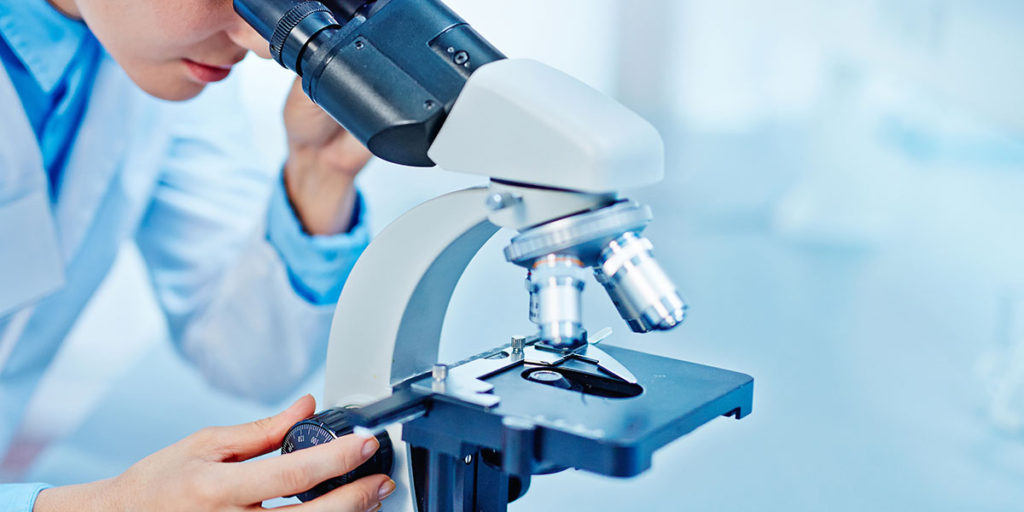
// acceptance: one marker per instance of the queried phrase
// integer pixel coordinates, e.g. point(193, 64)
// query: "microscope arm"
point(397, 324)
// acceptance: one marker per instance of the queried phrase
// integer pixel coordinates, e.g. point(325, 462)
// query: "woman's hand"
point(205, 472)
point(323, 160)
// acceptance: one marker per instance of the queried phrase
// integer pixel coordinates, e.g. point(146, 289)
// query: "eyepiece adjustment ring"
point(292, 19)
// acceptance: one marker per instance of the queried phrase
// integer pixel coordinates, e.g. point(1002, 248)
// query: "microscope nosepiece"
point(642, 292)
point(608, 240)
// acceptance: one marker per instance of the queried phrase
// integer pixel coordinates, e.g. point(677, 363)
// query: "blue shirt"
point(53, 61)
point(53, 81)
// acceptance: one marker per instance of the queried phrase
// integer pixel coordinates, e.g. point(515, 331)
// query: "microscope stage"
point(572, 428)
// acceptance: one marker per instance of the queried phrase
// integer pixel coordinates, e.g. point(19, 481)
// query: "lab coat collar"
point(42, 38)
point(21, 162)
point(98, 152)
point(31, 264)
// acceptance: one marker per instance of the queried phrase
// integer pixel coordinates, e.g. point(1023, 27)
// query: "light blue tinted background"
point(842, 208)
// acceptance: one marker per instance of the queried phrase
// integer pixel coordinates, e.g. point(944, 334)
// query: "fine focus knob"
point(325, 427)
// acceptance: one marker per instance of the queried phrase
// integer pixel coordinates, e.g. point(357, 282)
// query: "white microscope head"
point(521, 121)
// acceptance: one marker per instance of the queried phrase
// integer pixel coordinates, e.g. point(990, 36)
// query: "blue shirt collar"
point(42, 38)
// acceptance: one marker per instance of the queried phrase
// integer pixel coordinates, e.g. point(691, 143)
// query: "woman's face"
point(170, 48)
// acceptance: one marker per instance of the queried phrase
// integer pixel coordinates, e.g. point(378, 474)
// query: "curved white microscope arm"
point(393, 306)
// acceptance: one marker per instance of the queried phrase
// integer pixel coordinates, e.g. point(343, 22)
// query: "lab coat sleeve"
point(19, 497)
point(233, 306)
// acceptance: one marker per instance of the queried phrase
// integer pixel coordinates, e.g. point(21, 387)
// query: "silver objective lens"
point(640, 289)
point(556, 289)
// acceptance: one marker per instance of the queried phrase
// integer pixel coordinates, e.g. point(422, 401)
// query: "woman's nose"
point(245, 36)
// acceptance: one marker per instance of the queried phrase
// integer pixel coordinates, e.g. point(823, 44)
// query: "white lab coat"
point(198, 219)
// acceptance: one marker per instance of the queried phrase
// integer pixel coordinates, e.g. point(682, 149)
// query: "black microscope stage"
point(609, 436)
point(476, 438)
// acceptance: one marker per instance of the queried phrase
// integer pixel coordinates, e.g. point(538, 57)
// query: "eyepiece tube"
point(389, 71)
point(288, 25)
point(264, 15)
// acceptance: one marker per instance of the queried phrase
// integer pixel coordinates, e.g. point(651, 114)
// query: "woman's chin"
point(170, 86)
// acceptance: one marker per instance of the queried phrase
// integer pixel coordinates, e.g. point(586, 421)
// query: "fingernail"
point(386, 489)
point(374, 508)
point(370, 446)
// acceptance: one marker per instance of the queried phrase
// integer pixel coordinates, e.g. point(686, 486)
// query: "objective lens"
point(556, 288)
point(636, 283)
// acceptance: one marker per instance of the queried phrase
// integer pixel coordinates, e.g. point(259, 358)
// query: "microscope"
point(420, 87)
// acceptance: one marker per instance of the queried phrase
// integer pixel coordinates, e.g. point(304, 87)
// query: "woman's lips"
point(207, 73)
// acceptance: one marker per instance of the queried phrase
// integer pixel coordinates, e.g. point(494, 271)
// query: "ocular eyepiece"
point(636, 283)
point(288, 25)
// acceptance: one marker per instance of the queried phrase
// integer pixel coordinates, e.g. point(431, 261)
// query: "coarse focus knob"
point(325, 427)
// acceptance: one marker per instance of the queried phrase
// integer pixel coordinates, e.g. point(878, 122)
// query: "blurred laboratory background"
point(843, 207)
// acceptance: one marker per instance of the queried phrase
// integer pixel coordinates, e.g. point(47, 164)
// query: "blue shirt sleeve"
point(19, 497)
point(317, 265)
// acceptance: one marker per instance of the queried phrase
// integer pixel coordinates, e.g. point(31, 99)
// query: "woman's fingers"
point(363, 495)
point(306, 123)
point(301, 470)
point(193, 475)
point(248, 440)
point(255, 481)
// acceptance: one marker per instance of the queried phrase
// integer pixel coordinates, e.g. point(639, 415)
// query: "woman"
point(92, 154)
